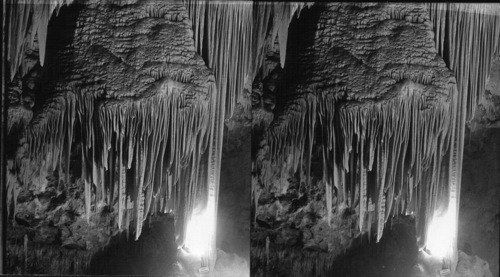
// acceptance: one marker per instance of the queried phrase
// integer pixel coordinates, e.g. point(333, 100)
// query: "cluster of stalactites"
point(138, 156)
point(146, 155)
point(386, 158)
point(467, 37)
point(395, 156)
point(27, 20)
point(271, 21)
point(231, 38)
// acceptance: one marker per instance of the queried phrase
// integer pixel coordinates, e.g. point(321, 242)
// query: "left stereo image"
point(126, 139)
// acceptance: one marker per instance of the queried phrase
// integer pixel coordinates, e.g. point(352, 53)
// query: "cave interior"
point(197, 137)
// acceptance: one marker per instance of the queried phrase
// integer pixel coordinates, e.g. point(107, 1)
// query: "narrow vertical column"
point(456, 157)
point(214, 163)
point(3, 130)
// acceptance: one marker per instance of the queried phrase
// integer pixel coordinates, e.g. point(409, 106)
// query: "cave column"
point(456, 156)
point(214, 164)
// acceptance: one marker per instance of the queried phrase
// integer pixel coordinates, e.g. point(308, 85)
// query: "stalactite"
point(122, 176)
point(235, 36)
point(382, 151)
point(136, 122)
point(468, 53)
point(155, 123)
point(27, 20)
point(228, 37)
point(468, 50)
point(390, 121)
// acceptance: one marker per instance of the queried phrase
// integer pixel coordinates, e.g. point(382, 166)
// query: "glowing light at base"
point(199, 233)
point(441, 233)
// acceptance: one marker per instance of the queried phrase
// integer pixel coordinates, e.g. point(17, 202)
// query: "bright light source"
point(441, 233)
point(199, 232)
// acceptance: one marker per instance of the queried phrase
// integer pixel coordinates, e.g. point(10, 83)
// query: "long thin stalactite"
point(467, 36)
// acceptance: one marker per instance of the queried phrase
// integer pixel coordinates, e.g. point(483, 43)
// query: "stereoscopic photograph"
point(183, 138)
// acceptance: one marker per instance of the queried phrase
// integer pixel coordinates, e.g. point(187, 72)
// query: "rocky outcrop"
point(472, 266)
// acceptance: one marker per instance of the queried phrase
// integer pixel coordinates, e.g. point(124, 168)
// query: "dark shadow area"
point(233, 216)
point(57, 65)
point(479, 216)
point(153, 254)
point(394, 256)
point(301, 35)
